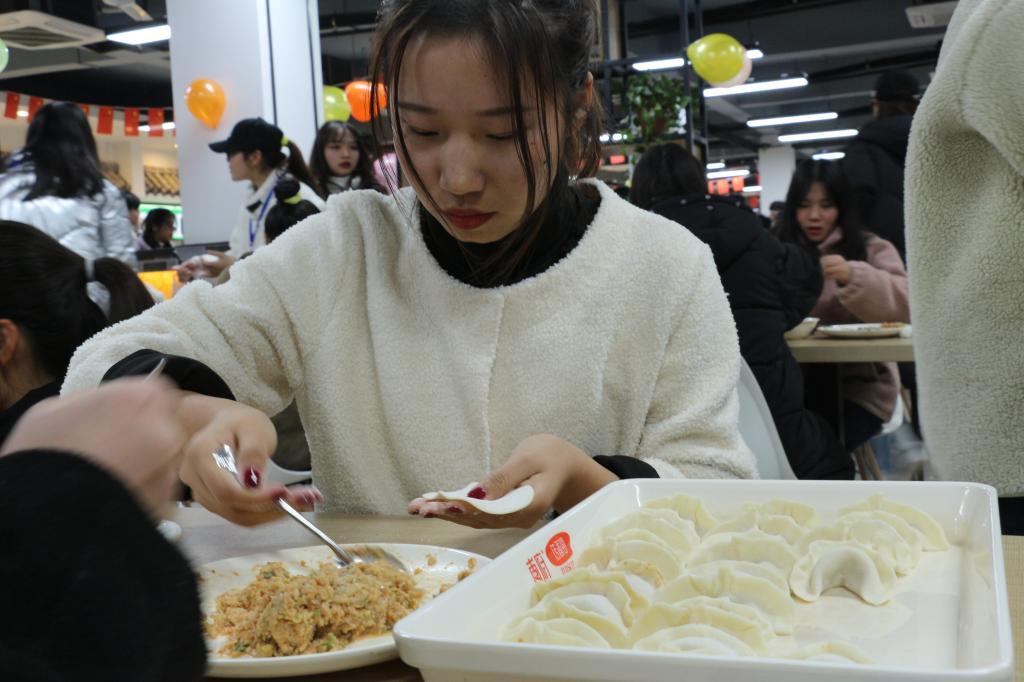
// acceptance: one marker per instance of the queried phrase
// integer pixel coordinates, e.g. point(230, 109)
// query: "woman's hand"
point(837, 268)
point(561, 475)
point(128, 427)
point(213, 422)
point(209, 265)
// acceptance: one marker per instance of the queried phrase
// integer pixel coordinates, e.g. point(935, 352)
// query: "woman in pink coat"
point(865, 281)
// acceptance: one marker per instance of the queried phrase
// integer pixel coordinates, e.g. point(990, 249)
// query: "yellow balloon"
point(716, 57)
point(336, 106)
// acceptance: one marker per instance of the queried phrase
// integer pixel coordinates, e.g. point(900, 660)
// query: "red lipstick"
point(467, 219)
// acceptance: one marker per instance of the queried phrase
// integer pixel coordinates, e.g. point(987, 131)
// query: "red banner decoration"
point(156, 122)
point(105, 126)
point(85, 109)
point(34, 103)
point(737, 184)
point(11, 108)
point(711, 186)
point(131, 122)
point(722, 187)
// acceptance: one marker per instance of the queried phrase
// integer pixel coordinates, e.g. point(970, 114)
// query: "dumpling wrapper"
point(516, 500)
point(832, 652)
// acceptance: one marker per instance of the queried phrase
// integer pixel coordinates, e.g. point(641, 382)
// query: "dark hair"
point(887, 109)
point(543, 44)
point(286, 212)
point(62, 151)
point(131, 201)
point(830, 174)
point(155, 219)
point(333, 132)
point(665, 171)
point(296, 166)
point(43, 291)
point(777, 206)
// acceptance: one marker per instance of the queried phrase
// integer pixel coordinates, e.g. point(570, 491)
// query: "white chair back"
point(758, 428)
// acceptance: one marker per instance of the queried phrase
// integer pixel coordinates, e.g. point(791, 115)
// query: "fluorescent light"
point(141, 36)
point(756, 87)
point(752, 189)
point(166, 126)
point(22, 113)
point(788, 120)
point(716, 165)
point(659, 64)
point(731, 173)
point(754, 53)
point(829, 156)
point(614, 137)
point(823, 135)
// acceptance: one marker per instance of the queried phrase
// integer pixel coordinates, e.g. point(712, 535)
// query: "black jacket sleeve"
point(800, 279)
point(626, 467)
point(91, 590)
point(190, 375)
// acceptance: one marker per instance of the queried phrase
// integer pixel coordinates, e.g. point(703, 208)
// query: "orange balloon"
point(359, 94)
point(205, 99)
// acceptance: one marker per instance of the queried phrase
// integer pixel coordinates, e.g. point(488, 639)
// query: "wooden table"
point(820, 349)
point(207, 537)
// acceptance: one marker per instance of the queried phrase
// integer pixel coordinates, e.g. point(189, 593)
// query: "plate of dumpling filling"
point(297, 612)
point(716, 580)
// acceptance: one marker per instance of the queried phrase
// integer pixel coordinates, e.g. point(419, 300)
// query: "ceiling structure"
point(839, 45)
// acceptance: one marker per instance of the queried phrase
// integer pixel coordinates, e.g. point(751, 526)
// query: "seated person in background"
point(771, 287)
point(92, 592)
point(494, 322)
point(157, 230)
point(865, 281)
point(45, 313)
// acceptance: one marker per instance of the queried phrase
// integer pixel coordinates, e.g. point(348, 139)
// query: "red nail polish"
point(430, 515)
point(251, 478)
point(454, 510)
point(478, 493)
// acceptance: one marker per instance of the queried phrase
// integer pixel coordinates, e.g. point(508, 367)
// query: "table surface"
point(207, 537)
point(820, 348)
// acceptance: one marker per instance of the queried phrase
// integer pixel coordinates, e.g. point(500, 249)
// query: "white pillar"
point(776, 166)
point(265, 54)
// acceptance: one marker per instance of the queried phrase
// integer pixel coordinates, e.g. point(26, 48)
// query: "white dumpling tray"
point(949, 621)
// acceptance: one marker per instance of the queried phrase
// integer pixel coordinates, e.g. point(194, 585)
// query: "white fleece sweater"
point(965, 246)
point(408, 380)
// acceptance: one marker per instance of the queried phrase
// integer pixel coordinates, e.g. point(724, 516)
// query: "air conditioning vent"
point(935, 15)
point(31, 30)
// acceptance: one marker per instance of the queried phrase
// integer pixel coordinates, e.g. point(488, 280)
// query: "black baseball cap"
point(251, 134)
point(897, 86)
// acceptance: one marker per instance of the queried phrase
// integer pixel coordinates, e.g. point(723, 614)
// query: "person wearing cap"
point(254, 152)
point(875, 158)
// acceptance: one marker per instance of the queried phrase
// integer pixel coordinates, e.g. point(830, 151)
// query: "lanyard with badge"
point(254, 226)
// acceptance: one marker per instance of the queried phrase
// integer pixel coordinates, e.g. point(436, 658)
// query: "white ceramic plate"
point(872, 330)
point(802, 330)
point(219, 576)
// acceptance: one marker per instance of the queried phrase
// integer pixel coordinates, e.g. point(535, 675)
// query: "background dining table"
point(819, 348)
point(206, 537)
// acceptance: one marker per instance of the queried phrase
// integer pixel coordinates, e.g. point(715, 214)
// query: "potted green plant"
point(654, 106)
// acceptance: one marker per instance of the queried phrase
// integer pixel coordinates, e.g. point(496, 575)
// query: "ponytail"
point(298, 169)
point(128, 295)
point(290, 208)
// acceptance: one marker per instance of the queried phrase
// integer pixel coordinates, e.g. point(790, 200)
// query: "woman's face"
point(237, 167)
point(459, 135)
point(342, 155)
point(165, 232)
point(816, 214)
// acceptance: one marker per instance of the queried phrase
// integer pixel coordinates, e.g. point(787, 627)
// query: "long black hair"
point(665, 171)
point(333, 132)
point(155, 219)
point(293, 162)
point(831, 176)
point(289, 210)
point(43, 292)
point(62, 151)
point(538, 47)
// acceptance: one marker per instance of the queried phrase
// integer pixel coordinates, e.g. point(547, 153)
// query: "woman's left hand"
point(561, 475)
point(837, 268)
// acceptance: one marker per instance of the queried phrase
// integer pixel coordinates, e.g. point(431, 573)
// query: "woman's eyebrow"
point(424, 109)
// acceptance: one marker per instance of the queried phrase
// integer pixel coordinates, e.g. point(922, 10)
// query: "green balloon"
point(5, 55)
point(336, 106)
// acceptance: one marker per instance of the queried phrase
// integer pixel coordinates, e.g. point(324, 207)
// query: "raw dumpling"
point(773, 524)
point(764, 571)
point(832, 652)
point(687, 507)
point(678, 533)
point(874, 533)
point(858, 568)
point(753, 630)
point(595, 596)
point(905, 530)
point(635, 551)
point(932, 536)
point(800, 513)
point(515, 500)
point(773, 603)
point(752, 545)
point(599, 613)
point(695, 640)
point(559, 631)
point(639, 591)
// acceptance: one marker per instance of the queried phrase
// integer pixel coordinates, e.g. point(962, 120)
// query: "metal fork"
point(224, 457)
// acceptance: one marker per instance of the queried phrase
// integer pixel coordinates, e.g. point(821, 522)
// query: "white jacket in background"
point(408, 380)
point(965, 247)
point(254, 213)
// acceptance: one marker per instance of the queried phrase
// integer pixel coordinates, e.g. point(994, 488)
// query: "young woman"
point(771, 286)
point(45, 313)
point(157, 230)
point(495, 322)
point(865, 281)
point(340, 160)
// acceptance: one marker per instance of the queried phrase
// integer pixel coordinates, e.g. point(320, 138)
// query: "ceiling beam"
point(743, 12)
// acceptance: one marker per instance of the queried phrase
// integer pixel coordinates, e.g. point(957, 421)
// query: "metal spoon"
point(224, 457)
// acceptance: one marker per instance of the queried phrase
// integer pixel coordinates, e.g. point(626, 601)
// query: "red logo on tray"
point(539, 570)
point(559, 549)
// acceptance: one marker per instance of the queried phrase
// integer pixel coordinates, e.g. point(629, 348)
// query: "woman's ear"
point(254, 159)
point(10, 337)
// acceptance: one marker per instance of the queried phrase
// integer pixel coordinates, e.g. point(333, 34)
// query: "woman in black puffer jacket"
point(771, 287)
